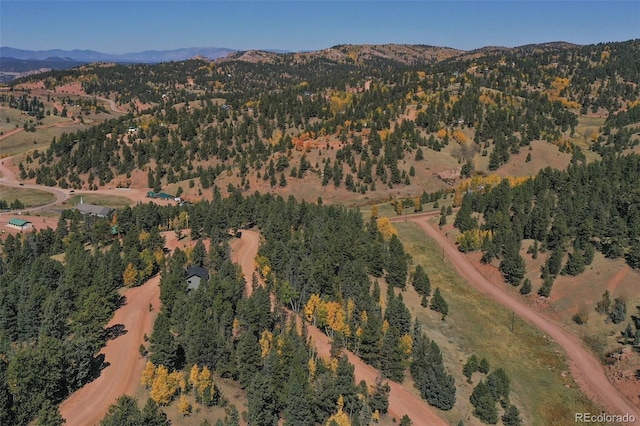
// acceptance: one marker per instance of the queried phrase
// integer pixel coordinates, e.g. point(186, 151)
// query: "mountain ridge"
point(146, 56)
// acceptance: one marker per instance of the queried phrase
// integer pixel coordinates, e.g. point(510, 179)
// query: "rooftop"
point(18, 222)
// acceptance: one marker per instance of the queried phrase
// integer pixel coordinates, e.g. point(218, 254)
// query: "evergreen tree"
point(438, 304)
point(526, 286)
point(397, 264)
point(511, 416)
point(484, 405)
point(421, 282)
point(391, 358)
point(470, 367)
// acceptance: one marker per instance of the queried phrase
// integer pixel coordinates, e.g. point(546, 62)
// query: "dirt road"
point(585, 368)
point(401, 401)
point(88, 405)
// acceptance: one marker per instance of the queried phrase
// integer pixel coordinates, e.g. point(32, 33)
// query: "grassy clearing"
point(385, 209)
point(29, 197)
point(41, 138)
point(542, 387)
point(99, 200)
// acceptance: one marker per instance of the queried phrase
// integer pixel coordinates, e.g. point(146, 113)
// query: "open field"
point(25, 141)
point(543, 154)
point(29, 197)
point(99, 200)
point(542, 387)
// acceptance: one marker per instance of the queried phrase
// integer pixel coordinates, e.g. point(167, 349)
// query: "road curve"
point(401, 401)
point(9, 179)
point(585, 367)
point(89, 404)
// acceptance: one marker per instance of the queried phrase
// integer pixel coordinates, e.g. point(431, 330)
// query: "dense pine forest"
point(351, 119)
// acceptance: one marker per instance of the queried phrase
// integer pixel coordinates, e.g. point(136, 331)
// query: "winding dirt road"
point(585, 368)
point(89, 404)
point(401, 401)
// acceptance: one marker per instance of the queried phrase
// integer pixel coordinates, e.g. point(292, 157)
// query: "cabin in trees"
point(160, 195)
point(20, 224)
point(93, 210)
point(195, 274)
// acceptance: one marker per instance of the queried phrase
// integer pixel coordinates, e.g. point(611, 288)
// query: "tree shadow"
point(122, 300)
point(98, 364)
point(114, 331)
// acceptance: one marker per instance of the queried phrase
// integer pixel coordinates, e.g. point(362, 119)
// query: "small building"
point(195, 274)
point(164, 196)
point(93, 210)
point(20, 224)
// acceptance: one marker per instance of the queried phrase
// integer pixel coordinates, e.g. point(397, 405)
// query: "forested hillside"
point(279, 144)
point(362, 125)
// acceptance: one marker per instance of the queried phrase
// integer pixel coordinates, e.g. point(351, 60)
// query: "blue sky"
point(132, 26)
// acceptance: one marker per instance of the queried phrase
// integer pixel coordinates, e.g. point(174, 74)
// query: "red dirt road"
point(88, 405)
point(401, 401)
point(585, 368)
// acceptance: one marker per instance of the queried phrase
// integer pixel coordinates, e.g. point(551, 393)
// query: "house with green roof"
point(20, 224)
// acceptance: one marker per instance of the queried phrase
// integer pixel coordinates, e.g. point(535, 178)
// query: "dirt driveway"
point(585, 367)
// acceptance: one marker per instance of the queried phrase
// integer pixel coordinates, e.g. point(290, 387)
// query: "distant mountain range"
point(148, 56)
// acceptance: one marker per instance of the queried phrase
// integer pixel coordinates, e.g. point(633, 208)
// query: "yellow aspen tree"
point(204, 380)
point(265, 343)
point(130, 275)
point(385, 326)
point(143, 237)
point(312, 369)
point(160, 390)
point(351, 306)
point(148, 374)
point(374, 212)
point(386, 228)
point(310, 308)
point(333, 365)
point(279, 345)
point(177, 381)
point(184, 406)
point(406, 344)
point(193, 375)
point(417, 205)
point(336, 318)
point(235, 328)
point(340, 418)
point(158, 256)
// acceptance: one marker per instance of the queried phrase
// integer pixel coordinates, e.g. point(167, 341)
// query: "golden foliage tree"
point(148, 374)
point(204, 380)
point(310, 308)
point(161, 390)
point(340, 418)
point(130, 275)
point(194, 373)
point(265, 343)
point(184, 406)
point(386, 228)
